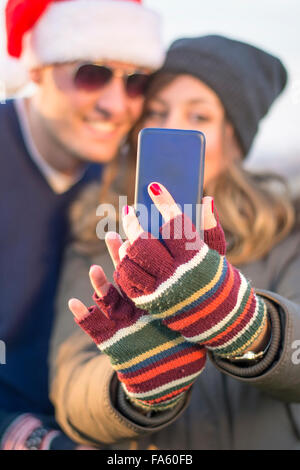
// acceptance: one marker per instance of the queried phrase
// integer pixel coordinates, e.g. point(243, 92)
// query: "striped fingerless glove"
point(193, 289)
point(154, 364)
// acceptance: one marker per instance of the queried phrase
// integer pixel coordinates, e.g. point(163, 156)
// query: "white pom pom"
point(13, 77)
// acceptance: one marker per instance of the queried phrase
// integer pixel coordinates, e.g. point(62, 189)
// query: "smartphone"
point(174, 158)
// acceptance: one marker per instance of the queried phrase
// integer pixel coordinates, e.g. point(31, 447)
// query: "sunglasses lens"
point(90, 77)
point(137, 84)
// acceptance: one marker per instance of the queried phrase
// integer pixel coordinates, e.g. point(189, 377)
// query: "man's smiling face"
point(88, 124)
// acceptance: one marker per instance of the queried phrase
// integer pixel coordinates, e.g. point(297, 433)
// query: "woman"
point(223, 88)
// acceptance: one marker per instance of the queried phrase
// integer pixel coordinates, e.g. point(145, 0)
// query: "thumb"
point(208, 211)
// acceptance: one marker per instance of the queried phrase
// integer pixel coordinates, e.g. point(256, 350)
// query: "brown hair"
point(255, 211)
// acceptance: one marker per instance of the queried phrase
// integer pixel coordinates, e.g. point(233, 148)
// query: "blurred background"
point(270, 24)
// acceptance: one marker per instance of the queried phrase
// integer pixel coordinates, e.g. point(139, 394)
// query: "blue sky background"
point(270, 24)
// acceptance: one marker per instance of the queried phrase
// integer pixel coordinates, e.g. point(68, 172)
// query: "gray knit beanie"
point(246, 79)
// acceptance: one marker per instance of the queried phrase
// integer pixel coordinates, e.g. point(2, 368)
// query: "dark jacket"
point(229, 407)
point(34, 233)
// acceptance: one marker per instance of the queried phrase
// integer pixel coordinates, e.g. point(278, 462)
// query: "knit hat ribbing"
point(246, 79)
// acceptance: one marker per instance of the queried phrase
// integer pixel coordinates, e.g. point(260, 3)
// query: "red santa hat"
point(41, 32)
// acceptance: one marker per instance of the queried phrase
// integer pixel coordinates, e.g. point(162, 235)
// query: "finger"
point(123, 249)
point(214, 235)
point(78, 309)
point(208, 212)
point(113, 242)
point(163, 201)
point(131, 224)
point(99, 281)
point(133, 279)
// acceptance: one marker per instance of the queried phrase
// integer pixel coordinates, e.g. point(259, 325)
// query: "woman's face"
point(187, 103)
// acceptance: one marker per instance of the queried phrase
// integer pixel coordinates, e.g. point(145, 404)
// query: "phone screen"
point(174, 158)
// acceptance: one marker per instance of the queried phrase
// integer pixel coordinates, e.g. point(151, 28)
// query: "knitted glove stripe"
point(185, 294)
point(246, 315)
point(211, 311)
point(174, 393)
point(151, 353)
point(128, 344)
point(169, 399)
point(245, 338)
point(159, 388)
point(200, 301)
point(162, 290)
point(163, 393)
point(160, 392)
point(244, 321)
point(193, 301)
point(161, 354)
point(155, 372)
point(239, 325)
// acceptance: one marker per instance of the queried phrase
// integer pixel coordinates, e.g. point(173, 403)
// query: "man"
point(90, 62)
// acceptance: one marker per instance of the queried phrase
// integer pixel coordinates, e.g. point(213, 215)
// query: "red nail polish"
point(212, 205)
point(125, 210)
point(155, 189)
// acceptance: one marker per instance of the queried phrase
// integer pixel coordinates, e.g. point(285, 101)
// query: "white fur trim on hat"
point(13, 77)
point(96, 30)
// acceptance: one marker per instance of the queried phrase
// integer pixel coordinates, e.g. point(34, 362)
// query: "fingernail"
point(155, 189)
point(212, 205)
point(125, 210)
point(92, 268)
point(112, 236)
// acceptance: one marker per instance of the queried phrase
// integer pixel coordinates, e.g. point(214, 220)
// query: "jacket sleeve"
point(278, 373)
point(84, 393)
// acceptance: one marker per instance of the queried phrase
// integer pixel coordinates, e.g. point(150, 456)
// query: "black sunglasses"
point(92, 77)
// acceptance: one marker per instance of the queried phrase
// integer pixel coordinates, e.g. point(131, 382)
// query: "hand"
point(175, 363)
point(195, 292)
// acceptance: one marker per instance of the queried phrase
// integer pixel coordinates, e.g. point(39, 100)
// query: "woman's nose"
point(173, 121)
